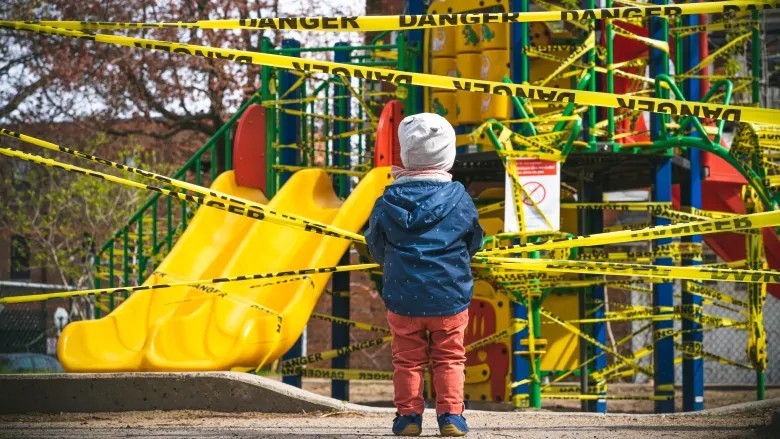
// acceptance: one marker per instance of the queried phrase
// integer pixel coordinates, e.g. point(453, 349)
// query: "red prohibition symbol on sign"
point(535, 191)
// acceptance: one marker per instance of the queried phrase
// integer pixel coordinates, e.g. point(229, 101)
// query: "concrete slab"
point(145, 391)
point(233, 392)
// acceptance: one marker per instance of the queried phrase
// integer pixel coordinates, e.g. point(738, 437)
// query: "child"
point(424, 230)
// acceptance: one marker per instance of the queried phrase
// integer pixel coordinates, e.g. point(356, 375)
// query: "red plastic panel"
point(720, 170)
point(482, 323)
point(387, 150)
point(249, 147)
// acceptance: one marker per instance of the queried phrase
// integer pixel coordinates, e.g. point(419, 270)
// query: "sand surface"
point(746, 422)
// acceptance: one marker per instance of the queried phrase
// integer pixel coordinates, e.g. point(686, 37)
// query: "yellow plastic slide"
point(116, 342)
point(204, 331)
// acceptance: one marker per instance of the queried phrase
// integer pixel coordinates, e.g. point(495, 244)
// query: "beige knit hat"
point(427, 142)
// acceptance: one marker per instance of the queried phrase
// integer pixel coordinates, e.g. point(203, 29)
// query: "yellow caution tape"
point(696, 350)
point(657, 44)
point(338, 374)
point(323, 116)
point(333, 353)
point(721, 51)
point(701, 290)
point(632, 226)
point(360, 99)
point(212, 291)
point(684, 31)
point(731, 224)
point(350, 323)
point(633, 206)
point(279, 282)
point(491, 208)
point(329, 170)
point(589, 397)
point(194, 283)
point(516, 326)
point(588, 44)
point(625, 269)
point(657, 105)
point(574, 330)
point(661, 252)
point(206, 197)
point(412, 22)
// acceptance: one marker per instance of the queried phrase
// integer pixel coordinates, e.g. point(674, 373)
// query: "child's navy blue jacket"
point(424, 234)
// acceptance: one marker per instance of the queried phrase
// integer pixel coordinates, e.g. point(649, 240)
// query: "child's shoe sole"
point(410, 430)
point(450, 430)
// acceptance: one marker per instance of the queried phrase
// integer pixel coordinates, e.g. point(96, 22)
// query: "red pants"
point(412, 352)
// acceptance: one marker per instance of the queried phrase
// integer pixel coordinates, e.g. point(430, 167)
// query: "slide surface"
point(726, 197)
point(116, 342)
point(190, 329)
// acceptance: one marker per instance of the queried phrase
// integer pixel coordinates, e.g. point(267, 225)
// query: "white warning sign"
point(541, 181)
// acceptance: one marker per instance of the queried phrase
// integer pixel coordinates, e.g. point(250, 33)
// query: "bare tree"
point(51, 78)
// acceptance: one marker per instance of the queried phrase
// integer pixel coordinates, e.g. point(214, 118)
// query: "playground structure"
point(317, 146)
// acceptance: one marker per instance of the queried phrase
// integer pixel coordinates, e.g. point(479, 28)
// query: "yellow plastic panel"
point(116, 342)
point(495, 36)
point(540, 33)
point(443, 104)
point(443, 41)
point(492, 226)
point(467, 38)
point(468, 103)
point(562, 345)
point(444, 67)
point(569, 221)
point(494, 65)
point(219, 334)
point(494, 106)
point(469, 65)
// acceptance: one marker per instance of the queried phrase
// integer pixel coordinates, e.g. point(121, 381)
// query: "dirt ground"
point(746, 420)
point(193, 424)
point(380, 393)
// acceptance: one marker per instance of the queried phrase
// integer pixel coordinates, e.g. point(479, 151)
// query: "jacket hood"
point(421, 204)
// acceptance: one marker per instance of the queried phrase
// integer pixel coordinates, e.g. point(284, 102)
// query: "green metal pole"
point(169, 224)
point(592, 111)
point(525, 41)
point(125, 259)
point(153, 252)
point(111, 280)
point(610, 81)
point(140, 249)
point(229, 149)
point(270, 123)
point(756, 55)
point(408, 101)
point(756, 92)
point(96, 280)
point(534, 387)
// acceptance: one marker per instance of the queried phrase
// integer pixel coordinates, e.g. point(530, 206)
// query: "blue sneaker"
point(407, 425)
point(452, 425)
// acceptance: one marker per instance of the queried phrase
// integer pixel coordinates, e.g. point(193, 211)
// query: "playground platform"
point(146, 391)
